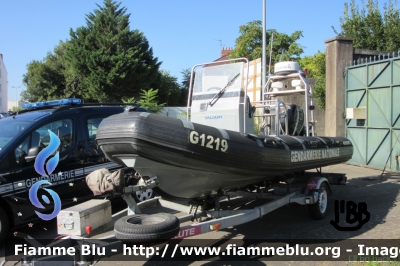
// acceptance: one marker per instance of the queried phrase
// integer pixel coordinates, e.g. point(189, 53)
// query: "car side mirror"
point(32, 153)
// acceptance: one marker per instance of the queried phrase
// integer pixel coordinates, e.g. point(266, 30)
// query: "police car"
point(24, 134)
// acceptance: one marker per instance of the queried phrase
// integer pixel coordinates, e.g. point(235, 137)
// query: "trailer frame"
point(215, 219)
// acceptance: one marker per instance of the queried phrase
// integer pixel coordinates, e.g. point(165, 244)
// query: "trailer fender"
point(315, 183)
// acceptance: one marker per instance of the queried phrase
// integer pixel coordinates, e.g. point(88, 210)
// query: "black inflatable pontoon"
point(213, 151)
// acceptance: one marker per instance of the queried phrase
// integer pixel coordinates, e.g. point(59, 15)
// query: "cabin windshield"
point(209, 79)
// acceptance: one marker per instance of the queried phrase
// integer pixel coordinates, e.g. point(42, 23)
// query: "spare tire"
point(146, 228)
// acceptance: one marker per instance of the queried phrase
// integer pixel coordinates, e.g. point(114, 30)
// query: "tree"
point(44, 79)
point(249, 43)
point(38, 82)
point(391, 31)
point(316, 67)
point(112, 61)
point(51, 78)
point(369, 28)
point(168, 88)
point(170, 91)
point(185, 83)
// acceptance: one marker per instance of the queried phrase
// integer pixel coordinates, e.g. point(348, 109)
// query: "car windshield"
point(9, 129)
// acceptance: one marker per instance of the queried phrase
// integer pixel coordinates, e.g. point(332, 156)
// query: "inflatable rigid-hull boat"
point(192, 160)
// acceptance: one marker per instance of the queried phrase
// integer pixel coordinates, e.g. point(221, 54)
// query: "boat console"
point(219, 96)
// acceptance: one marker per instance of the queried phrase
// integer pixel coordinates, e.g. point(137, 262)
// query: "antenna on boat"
point(281, 58)
point(270, 54)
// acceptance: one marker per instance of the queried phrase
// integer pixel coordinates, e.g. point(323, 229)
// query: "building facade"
point(3, 86)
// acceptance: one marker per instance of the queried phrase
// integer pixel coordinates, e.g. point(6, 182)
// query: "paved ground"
point(293, 222)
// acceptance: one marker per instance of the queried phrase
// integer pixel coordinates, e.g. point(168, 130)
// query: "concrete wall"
point(319, 118)
point(339, 50)
point(12, 104)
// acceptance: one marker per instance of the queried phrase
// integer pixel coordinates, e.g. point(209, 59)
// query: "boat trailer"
point(197, 219)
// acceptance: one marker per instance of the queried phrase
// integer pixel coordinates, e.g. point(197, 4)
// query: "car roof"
point(31, 115)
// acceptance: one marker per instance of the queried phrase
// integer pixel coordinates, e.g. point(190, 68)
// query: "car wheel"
point(4, 226)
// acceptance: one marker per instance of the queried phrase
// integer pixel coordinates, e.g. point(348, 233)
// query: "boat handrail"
point(269, 94)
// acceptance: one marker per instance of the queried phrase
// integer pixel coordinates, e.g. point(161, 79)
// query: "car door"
point(94, 156)
point(66, 178)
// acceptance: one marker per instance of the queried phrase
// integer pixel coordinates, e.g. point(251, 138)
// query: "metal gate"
point(374, 84)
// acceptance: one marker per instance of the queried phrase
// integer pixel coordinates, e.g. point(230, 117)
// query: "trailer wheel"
point(4, 226)
point(143, 228)
point(318, 210)
point(140, 195)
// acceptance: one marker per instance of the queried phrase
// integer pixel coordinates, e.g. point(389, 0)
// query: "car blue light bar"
point(68, 101)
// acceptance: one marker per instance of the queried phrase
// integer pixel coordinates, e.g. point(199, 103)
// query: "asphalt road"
point(293, 221)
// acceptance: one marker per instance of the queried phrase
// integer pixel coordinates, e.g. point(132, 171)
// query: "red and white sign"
point(188, 231)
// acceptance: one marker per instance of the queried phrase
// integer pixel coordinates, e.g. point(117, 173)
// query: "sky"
point(182, 33)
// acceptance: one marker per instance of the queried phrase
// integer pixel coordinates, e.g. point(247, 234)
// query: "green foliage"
point(185, 78)
point(369, 28)
point(129, 100)
point(184, 86)
point(46, 79)
point(112, 61)
point(170, 91)
point(168, 87)
point(249, 43)
point(182, 115)
point(391, 31)
point(316, 66)
point(104, 61)
point(37, 88)
point(148, 100)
